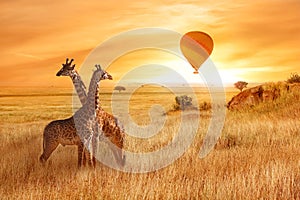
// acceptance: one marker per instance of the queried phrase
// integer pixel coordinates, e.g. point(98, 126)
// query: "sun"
point(183, 68)
point(228, 77)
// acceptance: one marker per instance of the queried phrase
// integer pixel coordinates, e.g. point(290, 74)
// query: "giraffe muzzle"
point(109, 77)
point(58, 73)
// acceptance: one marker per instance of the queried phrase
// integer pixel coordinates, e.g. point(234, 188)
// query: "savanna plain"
point(256, 157)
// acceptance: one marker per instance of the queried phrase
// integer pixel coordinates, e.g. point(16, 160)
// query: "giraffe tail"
point(44, 145)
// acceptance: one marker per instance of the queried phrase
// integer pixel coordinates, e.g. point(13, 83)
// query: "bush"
point(205, 106)
point(294, 78)
point(183, 102)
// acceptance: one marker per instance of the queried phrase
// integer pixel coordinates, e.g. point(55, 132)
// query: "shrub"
point(183, 102)
point(294, 78)
point(205, 106)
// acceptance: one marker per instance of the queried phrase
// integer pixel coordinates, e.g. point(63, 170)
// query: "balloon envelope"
point(196, 47)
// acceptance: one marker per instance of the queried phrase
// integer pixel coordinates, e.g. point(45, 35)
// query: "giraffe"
point(86, 121)
point(63, 131)
point(109, 125)
point(68, 70)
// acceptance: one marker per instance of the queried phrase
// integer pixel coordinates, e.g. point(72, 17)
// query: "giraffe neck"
point(97, 101)
point(79, 86)
point(93, 93)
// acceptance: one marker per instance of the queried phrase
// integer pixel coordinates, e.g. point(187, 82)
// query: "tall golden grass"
point(257, 156)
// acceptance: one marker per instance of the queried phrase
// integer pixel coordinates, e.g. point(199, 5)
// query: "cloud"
point(29, 56)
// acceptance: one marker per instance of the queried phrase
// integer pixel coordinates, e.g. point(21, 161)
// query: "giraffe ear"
point(73, 66)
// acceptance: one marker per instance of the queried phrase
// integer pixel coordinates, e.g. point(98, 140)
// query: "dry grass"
point(257, 156)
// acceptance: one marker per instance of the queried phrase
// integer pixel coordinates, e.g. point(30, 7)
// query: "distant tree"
point(241, 85)
point(294, 78)
point(120, 88)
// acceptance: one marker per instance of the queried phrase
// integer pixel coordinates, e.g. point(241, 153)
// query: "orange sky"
point(254, 41)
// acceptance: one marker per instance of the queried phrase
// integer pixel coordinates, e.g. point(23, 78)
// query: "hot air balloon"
point(196, 47)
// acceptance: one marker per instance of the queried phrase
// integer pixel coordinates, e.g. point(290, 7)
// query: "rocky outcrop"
point(263, 93)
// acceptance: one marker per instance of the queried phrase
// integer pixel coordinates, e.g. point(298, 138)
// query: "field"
point(257, 156)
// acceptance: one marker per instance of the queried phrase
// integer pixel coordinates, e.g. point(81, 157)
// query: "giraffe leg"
point(116, 144)
point(49, 147)
point(119, 155)
point(80, 154)
point(83, 156)
point(90, 159)
point(94, 149)
point(87, 145)
point(87, 157)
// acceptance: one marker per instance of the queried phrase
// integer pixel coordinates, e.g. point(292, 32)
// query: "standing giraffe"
point(85, 118)
point(109, 125)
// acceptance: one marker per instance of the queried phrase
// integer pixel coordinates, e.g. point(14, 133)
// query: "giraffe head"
point(67, 69)
point(105, 74)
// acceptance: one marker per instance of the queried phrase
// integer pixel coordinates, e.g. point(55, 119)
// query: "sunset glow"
point(253, 41)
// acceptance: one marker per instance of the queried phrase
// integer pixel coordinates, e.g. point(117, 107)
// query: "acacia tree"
point(120, 88)
point(240, 85)
point(294, 78)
